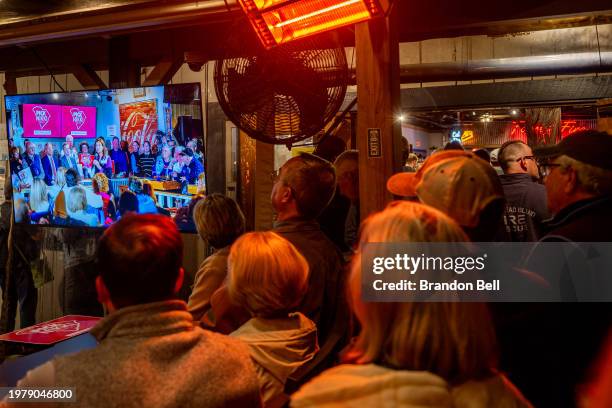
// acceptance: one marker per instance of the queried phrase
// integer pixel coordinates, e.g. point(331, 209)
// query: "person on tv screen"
point(194, 166)
point(39, 197)
point(77, 203)
point(72, 150)
point(134, 155)
point(146, 161)
point(119, 157)
point(146, 205)
point(86, 160)
point(100, 187)
point(102, 162)
point(68, 160)
point(163, 166)
point(15, 161)
point(33, 161)
point(49, 165)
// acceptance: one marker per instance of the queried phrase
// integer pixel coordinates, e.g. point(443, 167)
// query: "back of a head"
point(136, 185)
point(462, 187)
point(77, 199)
point(128, 203)
point(139, 259)
point(509, 152)
point(219, 220)
point(72, 177)
point(313, 181)
point(267, 274)
point(453, 340)
point(483, 154)
point(454, 145)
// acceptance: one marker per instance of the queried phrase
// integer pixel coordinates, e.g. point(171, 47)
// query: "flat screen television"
point(87, 158)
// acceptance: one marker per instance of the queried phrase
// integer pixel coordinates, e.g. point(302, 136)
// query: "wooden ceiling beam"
point(87, 77)
point(163, 72)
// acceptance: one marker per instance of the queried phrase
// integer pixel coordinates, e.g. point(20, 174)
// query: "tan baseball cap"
point(455, 182)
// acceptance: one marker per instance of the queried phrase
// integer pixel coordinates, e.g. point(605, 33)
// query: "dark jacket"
point(120, 158)
point(48, 169)
point(326, 280)
point(526, 207)
point(195, 169)
point(35, 164)
point(533, 336)
point(583, 221)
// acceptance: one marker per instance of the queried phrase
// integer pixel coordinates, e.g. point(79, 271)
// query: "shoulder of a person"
point(41, 376)
point(496, 390)
point(363, 380)
point(219, 344)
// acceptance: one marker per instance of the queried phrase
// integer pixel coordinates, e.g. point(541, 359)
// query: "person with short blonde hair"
point(219, 221)
point(267, 274)
point(39, 196)
point(268, 277)
point(408, 353)
point(77, 203)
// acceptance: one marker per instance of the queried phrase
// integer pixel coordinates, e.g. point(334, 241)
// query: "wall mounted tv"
point(87, 158)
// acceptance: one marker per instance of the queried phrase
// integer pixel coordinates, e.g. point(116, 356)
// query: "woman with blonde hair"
point(414, 353)
point(39, 196)
point(219, 221)
point(268, 277)
point(76, 205)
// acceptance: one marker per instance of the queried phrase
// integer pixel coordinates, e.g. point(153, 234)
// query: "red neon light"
point(280, 21)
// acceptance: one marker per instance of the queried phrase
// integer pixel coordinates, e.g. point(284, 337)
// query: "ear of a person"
point(571, 181)
point(102, 291)
point(179, 281)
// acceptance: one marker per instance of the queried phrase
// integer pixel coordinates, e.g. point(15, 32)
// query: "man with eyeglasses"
point(526, 207)
point(578, 179)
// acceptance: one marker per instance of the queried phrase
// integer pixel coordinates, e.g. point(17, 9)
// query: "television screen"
point(88, 158)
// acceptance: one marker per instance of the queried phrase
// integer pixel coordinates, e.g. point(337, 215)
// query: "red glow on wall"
point(281, 21)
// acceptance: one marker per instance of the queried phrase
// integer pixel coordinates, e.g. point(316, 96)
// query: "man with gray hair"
point(578, 178)
point(525, 198)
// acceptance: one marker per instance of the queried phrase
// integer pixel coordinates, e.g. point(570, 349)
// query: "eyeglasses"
point(547, 168)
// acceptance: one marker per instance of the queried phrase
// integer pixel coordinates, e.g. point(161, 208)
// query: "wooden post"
point(378, 100)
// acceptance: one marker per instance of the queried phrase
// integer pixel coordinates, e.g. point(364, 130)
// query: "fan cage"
point(284, 95)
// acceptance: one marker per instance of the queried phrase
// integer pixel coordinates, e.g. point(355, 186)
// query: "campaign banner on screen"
point(79, 121)
point(41, 120)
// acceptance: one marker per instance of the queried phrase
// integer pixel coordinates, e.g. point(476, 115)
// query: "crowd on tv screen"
point(70, 183)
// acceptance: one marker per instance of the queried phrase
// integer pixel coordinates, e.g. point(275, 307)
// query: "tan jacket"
point(278, 347)
point(208, 279)
point(370, 385)
point(153, 355)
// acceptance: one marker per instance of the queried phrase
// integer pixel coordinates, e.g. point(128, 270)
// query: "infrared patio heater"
point(289, 90)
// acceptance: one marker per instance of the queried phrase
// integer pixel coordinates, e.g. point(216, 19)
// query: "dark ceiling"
point(228, 33)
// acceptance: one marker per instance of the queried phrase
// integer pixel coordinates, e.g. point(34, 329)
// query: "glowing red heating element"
point(281, 21)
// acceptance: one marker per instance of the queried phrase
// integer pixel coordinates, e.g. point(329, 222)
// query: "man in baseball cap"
point(460, 184)
point(578, 179)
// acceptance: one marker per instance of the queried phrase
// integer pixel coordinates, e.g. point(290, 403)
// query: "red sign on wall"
point(53, 331)
point(138, 120)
